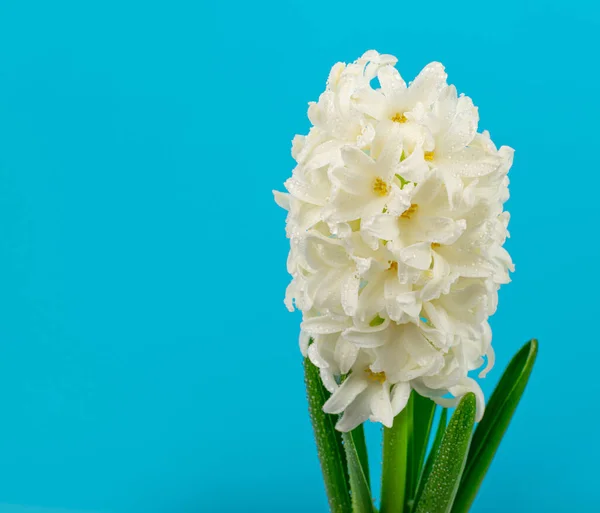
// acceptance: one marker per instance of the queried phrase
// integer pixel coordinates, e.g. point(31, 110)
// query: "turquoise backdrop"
point(147, 363)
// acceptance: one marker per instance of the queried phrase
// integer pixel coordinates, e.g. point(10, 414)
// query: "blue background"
point(147, 363)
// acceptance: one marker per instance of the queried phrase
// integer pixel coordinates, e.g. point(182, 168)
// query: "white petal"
point(371, 299)
point(445, 402)
point(414, 167)
point(454, 185)
point(354, 157)
point(355, 414)
point(417, 346)
point(408, 303)
point(308, 216)
point(406, 273)
point(324, 155)
point(470, 162)
point(391, 81)
point(462, 129)
point(316, 358)
point(328, 380)
point(391, 358)
point(381, 407)
point(398, 201)
point(304, 191)
point(324, 324)
point(491, 359)
point(290, 295)
point(400, 396)
point(428, 84)
point(335, 74)
point(443, 230)
point(330, 252)
point(371, 102)
point(388, 159)
point(414, 134)
point(282, 199)
point(426, 192)
point(345, 354)
point(368, 337)
point(362, 264)
point(345, 207)
point(384, 226)
point(400, 300)
point(440, 339)
point(304, 341)
point(298, 143)
point(343, 396)
point(352, 179)
point(437, 316)
point(445, 107)
point(316, 290)
point(349, 292)
point(465, 263)
point(417, 255)
point(470, 385)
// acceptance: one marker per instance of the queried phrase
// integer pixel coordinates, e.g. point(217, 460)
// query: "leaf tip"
point(532, 348)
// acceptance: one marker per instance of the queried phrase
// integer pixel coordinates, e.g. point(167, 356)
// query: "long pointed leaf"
point(329, 443)
point(437, 441)
point(358, 435)
point(441, 485)
point(423, 411)
point(395, 459)
point(362, 502)
point(492, 427)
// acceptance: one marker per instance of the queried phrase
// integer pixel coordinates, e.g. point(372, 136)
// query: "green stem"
point(395, 457)
point(362, 501)
point(423, 411)
point(329, 443)
point(358, 435)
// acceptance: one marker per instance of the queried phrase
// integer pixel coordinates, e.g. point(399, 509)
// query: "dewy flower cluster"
point(396, 229)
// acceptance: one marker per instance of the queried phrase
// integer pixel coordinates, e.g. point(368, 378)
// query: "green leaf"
point(492, 427)
point(377, 321)
point(329, 443)
point(362, 502)
point(442, 483)
point(423, 411)
point(358, 435)
point(439, 435)
point(395, 460)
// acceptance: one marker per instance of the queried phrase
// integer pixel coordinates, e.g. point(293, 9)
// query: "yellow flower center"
point(380, 187)
point(410, 211)
point(428, 155)
point(399, 118)
point(435, 245)
point(393, 266)
point(378, 377)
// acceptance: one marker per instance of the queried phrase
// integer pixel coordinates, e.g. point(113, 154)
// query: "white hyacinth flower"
point(396, 226)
